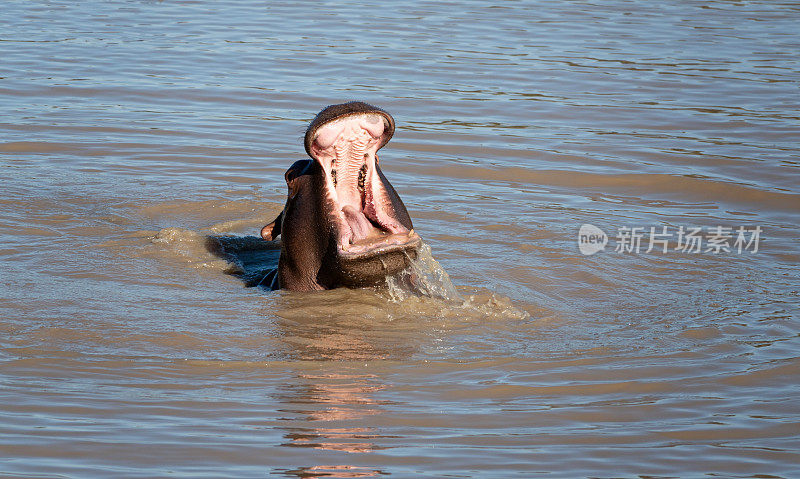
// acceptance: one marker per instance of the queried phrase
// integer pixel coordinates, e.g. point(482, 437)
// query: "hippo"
point(343, 223)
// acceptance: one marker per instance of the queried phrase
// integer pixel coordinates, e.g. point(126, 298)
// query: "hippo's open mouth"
point(343, 223)
point(362, 211)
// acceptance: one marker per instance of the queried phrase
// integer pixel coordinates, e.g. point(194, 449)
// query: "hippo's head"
point(343, 223)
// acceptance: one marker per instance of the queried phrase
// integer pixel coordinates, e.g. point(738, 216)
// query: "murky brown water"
point(134, 135)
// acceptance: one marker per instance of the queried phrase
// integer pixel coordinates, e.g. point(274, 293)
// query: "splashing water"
point(424, 276)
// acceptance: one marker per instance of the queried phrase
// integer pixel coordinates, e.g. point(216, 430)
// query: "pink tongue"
point(359, 224)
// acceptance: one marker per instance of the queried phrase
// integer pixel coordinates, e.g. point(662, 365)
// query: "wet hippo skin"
point(343, 223)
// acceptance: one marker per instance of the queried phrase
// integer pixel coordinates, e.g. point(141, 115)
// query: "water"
point(424, 277)
point(142, 146)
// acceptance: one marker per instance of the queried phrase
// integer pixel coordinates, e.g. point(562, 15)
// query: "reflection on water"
point(326, 330)
point(334, 471)
point(330, 403)
point(323, 408)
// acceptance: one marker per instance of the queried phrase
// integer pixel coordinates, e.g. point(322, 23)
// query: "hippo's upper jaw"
point(343, 223)
point(363, 206)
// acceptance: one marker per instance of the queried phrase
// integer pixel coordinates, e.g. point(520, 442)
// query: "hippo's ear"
point(296, 170)
point(272, 230)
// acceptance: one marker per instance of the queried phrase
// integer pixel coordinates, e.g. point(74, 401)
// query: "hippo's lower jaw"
point(382, 245)
point(370, 264)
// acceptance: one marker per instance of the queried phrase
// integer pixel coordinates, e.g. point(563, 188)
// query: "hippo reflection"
point(343, 223)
